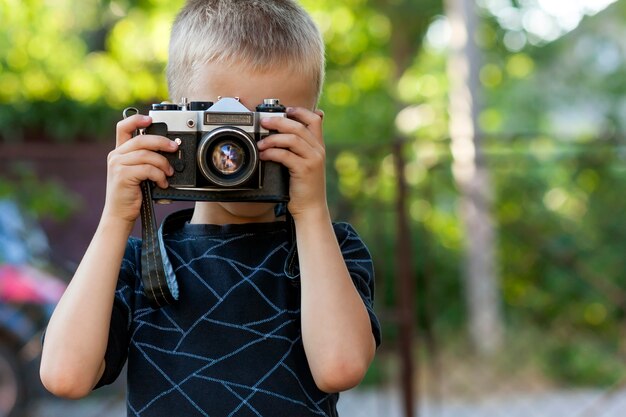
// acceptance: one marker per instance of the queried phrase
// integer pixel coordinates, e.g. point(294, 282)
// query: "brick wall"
point(82, 169)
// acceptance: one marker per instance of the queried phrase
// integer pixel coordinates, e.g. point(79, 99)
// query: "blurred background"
point(478, 147)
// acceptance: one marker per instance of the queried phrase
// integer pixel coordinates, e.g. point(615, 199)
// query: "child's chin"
point(248, 211)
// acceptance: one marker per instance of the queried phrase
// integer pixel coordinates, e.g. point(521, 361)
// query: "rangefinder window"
point(228, 119)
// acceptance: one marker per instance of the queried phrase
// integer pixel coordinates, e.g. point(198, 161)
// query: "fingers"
point(132, 168)
point(311, 120)
point(139, 173)
point(282, 156)
point(149, 142)
point(299, 142)
point(144, 157)
point(306, 117)
point(301, 122)
point(138, 159)
point(126, 128)
point(286, 141)
point(292, 152)
point(292, 161)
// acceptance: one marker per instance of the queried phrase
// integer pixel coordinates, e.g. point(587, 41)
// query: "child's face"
point(252, 87)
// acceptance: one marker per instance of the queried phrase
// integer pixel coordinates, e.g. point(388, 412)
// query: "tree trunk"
point(472, 178)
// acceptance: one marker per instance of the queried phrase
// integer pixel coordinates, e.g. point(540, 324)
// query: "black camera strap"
point(292, 264)
point(157, 274)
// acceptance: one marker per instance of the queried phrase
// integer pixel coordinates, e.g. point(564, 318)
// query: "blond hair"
point(251, 34)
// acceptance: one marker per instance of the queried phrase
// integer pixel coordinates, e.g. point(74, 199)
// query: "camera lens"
point(227, 156)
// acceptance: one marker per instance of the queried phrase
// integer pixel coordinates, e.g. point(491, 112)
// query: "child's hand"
point(299, 146)
point(134, 160)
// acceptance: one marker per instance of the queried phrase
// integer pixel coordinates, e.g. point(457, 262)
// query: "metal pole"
point(405, 288)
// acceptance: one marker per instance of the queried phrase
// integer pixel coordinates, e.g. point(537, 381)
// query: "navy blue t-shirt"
point(232, 344)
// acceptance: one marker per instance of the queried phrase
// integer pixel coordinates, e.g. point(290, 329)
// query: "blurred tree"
point(554, 113)
point(482, 290)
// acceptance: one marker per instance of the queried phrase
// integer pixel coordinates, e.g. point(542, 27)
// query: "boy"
point(242, 338)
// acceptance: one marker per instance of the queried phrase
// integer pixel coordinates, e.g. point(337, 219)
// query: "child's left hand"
point(299, 146)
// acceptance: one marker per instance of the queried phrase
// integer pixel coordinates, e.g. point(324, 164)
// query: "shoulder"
point(349, 240)
point(343, 227)
point(132, 257)
point(133, 243)
point(133, 248)
point(345, 232)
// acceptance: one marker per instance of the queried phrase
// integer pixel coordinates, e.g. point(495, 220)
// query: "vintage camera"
point(217, 157)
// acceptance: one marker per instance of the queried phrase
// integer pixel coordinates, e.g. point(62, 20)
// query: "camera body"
point(217, 157)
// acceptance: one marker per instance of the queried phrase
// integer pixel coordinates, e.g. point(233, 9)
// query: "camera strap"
point(157, 275)
point(292, 264)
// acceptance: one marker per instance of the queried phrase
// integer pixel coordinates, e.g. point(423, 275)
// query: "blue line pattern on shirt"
point(232, 345)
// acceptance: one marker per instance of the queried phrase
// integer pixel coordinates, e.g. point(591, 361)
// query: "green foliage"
point(68, 68)
point(560, 249)
point(583, 360)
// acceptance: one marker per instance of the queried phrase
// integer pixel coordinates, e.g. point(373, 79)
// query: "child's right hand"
point(134, 160)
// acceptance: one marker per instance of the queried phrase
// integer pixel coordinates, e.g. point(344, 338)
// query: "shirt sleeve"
point(361, 268)
point(121, 315)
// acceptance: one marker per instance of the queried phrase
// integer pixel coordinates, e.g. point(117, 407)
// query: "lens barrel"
point(227, 156)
